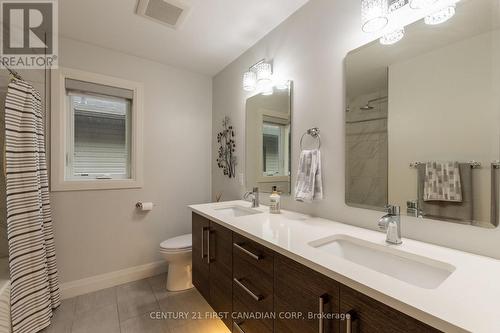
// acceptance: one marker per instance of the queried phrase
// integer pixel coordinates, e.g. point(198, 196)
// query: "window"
point(99, 142)
point(274, 142)
point(273, 149)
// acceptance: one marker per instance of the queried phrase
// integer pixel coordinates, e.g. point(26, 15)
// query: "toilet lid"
point(177, 243)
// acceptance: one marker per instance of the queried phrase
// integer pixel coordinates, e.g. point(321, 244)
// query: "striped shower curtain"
point(32, 260)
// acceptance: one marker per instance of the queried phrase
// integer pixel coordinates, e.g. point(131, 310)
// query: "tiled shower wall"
point(366, 152)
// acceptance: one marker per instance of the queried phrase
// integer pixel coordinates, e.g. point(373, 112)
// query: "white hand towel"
point(309, 185)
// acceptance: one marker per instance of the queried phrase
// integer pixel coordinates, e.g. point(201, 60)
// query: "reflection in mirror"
point(422, 119)
point(268, 122)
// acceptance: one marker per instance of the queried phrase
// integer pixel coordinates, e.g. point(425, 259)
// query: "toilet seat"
point(177, 244)
point(175, 251)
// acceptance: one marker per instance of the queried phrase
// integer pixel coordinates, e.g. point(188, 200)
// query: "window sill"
point(272, 179)
point(93, 184)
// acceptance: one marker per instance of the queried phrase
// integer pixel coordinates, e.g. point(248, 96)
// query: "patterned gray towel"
point(442, 182)
point(309, 185)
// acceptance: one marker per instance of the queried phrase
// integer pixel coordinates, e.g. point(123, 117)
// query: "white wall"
point(456, 121)
point(309, 48)
point(101, 231)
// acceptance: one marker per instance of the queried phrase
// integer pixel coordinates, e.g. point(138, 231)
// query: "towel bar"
point(473, 164)
point(314, 132)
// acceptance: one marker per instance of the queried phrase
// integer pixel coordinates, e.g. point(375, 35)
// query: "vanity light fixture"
point(383, 15)
point(249, 81)
point(374, 15)
point(264, 72)
point(442, 15)
point(259, 76)
point(392, 37)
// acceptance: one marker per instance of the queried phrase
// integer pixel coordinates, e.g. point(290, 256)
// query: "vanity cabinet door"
point(303, 292)
point(221, 271)
point(201, 265)
point(369, 315)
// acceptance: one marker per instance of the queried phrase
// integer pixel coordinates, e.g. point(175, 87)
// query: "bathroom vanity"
point(274, 267)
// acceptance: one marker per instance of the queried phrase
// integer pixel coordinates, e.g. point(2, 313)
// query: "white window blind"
point(272, 152)
point(99, 131)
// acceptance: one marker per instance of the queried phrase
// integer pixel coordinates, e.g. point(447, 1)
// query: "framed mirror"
point(268, 138)
point(423, 119)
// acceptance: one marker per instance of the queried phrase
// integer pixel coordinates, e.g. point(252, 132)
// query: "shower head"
point(368, 106)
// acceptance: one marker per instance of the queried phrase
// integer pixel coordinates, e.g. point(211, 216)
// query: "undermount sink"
point(413, 269)
point(236, 211)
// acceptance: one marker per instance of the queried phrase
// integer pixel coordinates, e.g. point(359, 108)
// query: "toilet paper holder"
point(139, 205)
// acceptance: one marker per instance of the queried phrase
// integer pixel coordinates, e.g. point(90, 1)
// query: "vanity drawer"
point(249, 324)
point(253, 254)
point(298, 290)
point(369, 315)
point(252, 287)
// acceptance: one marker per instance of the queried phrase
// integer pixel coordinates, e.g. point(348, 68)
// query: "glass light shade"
point(392, 37)
point(421, 4)
point(441, 15)
point(249, 81)
point(397, 4)
point(374, 15)
point(264, 71)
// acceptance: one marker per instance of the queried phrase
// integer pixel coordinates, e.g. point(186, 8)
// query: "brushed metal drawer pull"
point(351, 321)
point(208, 246)
point(203, 242)
point(242, 249)
point(248, 291)
point(321, 312)
point(238, 328)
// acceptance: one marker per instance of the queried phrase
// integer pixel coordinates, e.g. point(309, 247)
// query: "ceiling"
point(214, 34)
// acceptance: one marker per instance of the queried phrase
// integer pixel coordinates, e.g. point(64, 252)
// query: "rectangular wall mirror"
point(422, 119)
point(268, 124)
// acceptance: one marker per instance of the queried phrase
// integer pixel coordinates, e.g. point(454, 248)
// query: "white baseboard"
point(108, 280)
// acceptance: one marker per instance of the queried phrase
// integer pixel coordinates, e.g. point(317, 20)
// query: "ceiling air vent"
point(171, 13)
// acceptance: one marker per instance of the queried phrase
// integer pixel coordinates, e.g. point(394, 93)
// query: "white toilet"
point(177, 253)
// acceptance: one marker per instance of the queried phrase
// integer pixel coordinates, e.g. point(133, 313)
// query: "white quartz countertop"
point(467, 301)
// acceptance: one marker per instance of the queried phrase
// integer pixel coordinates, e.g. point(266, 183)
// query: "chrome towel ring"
point(314, 132)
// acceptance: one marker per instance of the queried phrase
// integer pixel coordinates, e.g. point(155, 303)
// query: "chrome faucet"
point(392, 224)
point(254, 197)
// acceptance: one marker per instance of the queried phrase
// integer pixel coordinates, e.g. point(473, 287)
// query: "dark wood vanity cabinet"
point(300, 291)
point(221, 271)
point(201, 266)
point(368, 315)
point(212, 264)
point(244, 278)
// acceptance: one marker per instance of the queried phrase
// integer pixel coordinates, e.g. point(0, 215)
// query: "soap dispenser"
point(274, 199)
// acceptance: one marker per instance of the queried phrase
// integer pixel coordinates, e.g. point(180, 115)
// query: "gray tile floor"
point(127, 309)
